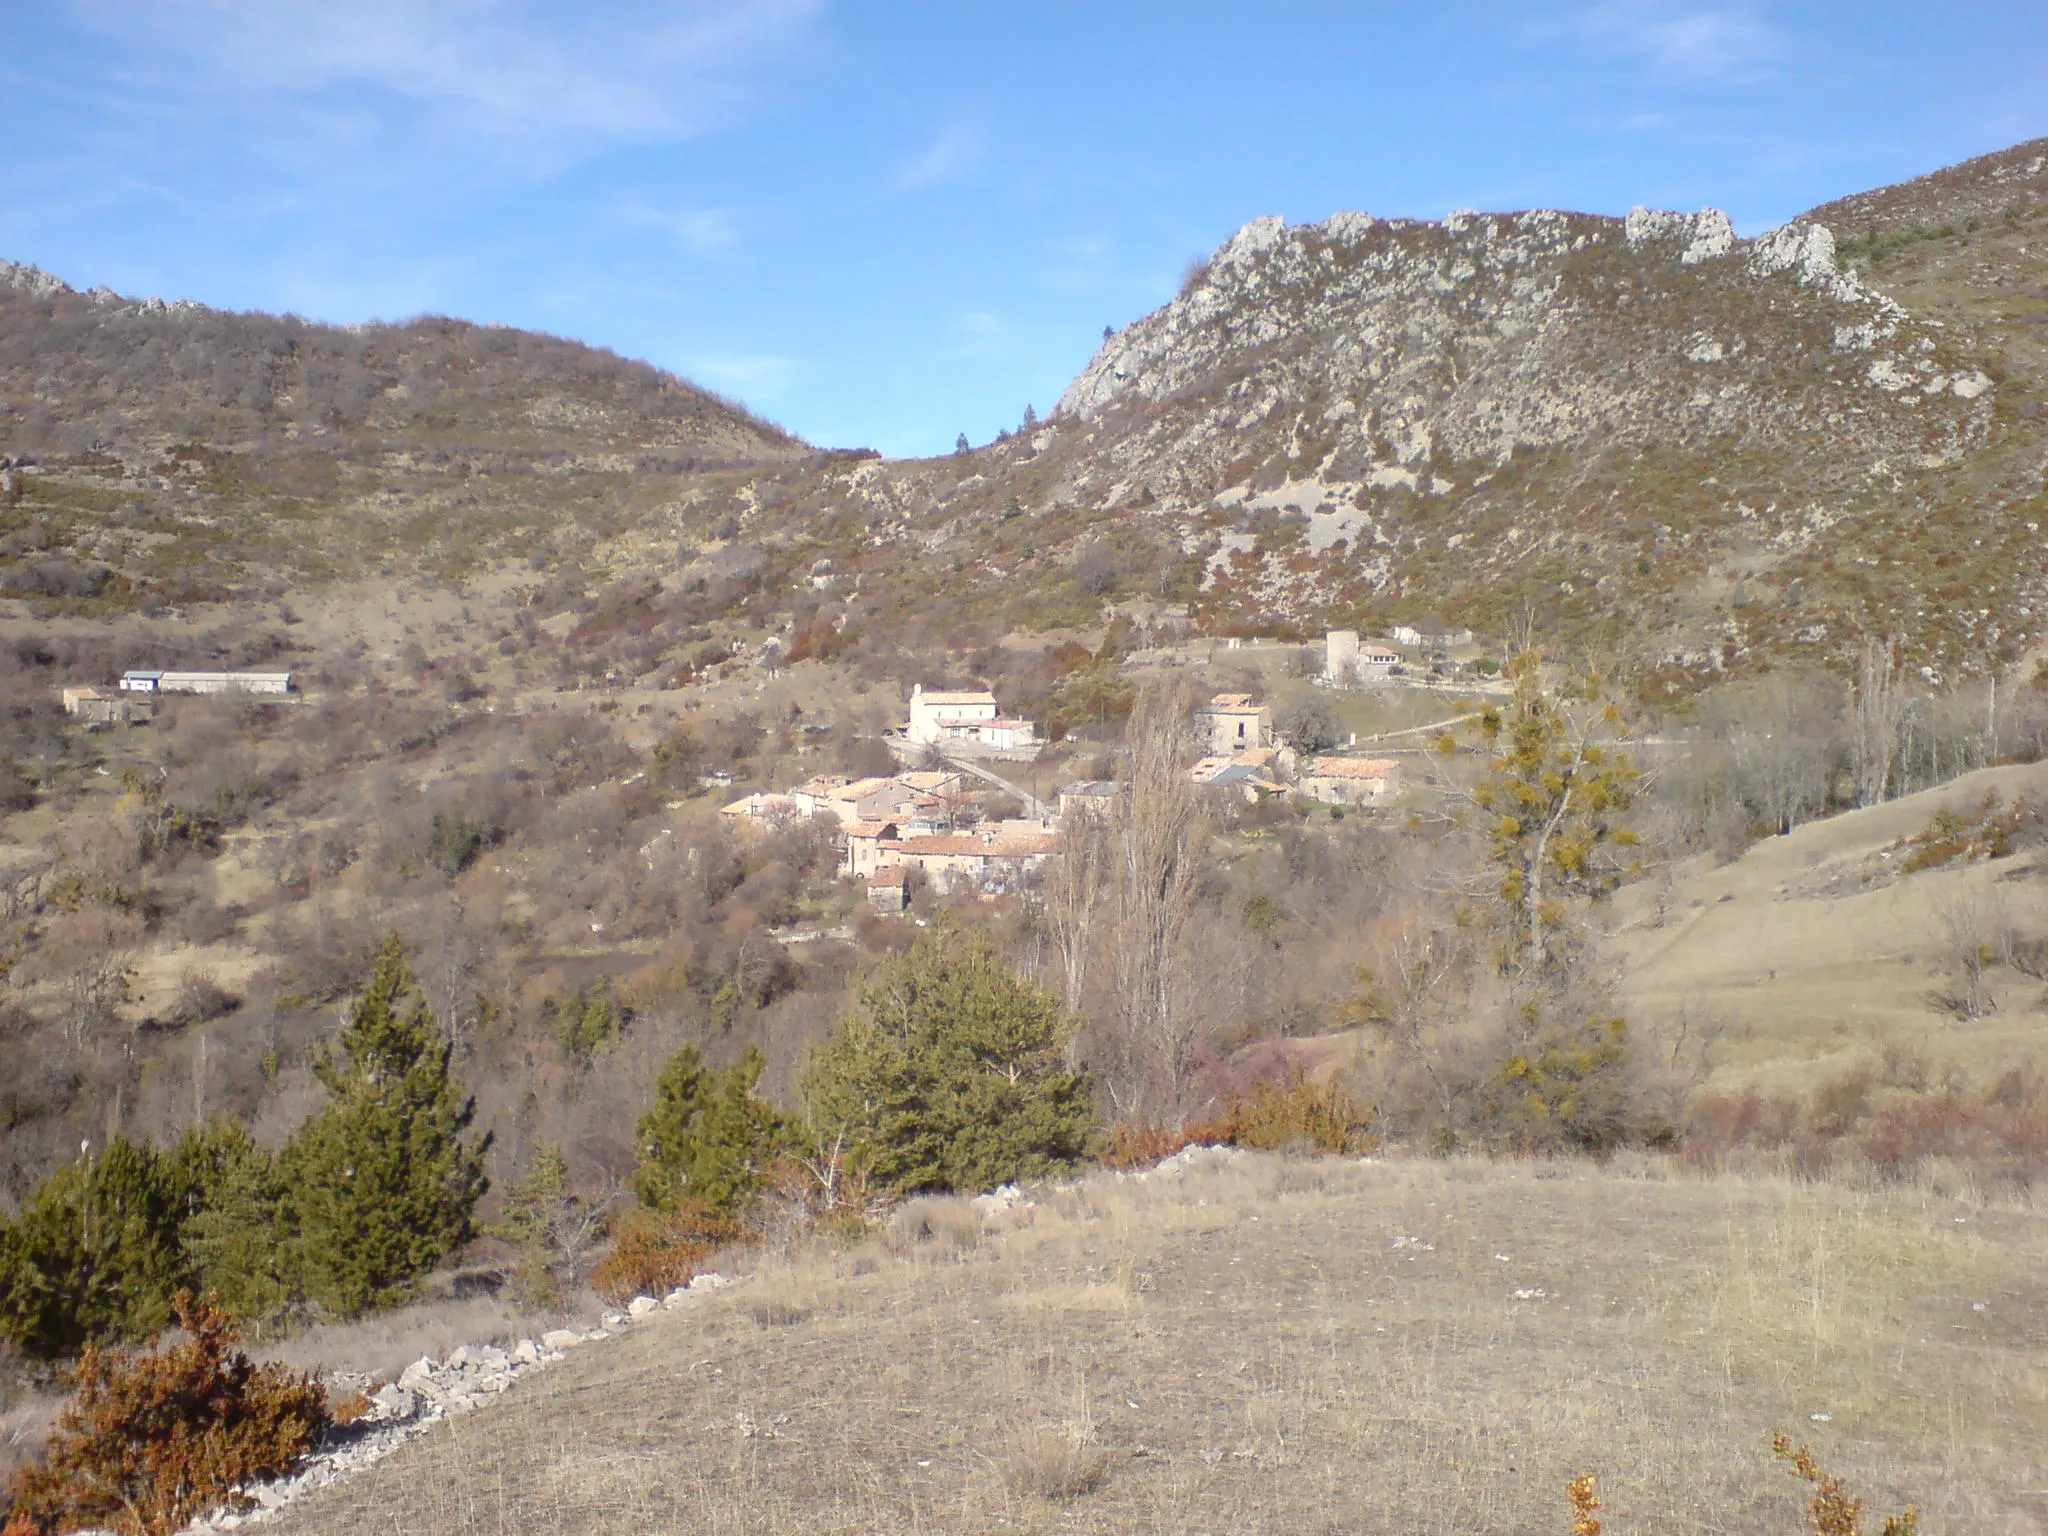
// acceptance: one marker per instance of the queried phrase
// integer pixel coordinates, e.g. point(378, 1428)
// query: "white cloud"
point(955, 150)
point(755, 378)
point(1725, 44)
point(702, 230)
point(506, 69)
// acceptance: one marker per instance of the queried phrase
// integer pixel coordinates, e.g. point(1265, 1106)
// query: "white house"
point(971, 718)
point(1431, 634)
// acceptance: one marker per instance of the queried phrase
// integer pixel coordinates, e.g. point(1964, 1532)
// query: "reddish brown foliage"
point(657, 1252)
point(152, 1440)
point(1294, 1113)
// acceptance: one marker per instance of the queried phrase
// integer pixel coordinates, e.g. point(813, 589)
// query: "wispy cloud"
point(756, 378)
point(513, 70)
point(1725, 44)
point(702, 230)
point(955, 151)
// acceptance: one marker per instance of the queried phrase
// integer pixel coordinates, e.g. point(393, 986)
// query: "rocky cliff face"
point(1374, 353)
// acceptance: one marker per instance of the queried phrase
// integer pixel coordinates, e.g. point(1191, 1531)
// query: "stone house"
point(1232, 723)
point(101, 706)
point(989, 859)
point(1352, 780)
point(889, 890)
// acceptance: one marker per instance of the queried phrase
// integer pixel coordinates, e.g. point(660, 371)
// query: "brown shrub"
point(1290, 1114)
point(656, 1252)
point(152, 1440)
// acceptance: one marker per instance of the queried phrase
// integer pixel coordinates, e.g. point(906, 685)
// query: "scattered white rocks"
point(430, 1390)
point(1531, 1293)
point(1188, 1159)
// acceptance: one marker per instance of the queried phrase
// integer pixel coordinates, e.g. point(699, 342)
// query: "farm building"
point(149, 681)
point(1352, 780)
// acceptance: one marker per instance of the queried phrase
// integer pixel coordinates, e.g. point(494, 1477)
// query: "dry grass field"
point(1289, 1346)
point(1814, 951)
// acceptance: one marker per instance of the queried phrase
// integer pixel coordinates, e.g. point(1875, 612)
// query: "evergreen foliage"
point(94, 1253)
point(952, 1075)
point(707, 1140)
point(549, 1224)
point(382, 1183)
point(238, 1234)
point(586, 1020)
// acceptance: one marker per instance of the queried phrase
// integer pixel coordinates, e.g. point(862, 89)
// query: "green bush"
point(94, 1253)
point(707, 1140)
point(238, 1235)
point(952, 1074)
point(382, 1183)
point(586, 1020)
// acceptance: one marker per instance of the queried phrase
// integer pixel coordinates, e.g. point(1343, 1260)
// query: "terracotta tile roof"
point(1353, 768)
point(1232, 701)
point(1011, 845)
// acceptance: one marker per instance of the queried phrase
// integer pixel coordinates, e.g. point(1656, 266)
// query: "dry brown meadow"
point(1291, 1346)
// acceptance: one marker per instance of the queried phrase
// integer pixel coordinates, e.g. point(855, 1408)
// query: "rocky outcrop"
point(1396, 344)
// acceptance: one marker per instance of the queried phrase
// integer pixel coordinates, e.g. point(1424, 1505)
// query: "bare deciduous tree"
point(1076, 891)
point(1878, 709)
point(1156, 851)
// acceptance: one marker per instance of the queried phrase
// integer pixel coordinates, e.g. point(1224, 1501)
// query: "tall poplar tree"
point(383, 1183)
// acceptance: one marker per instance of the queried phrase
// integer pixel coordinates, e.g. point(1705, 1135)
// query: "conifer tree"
point(707, 1139)
point(93, 1254)
point(382, 1184)
point(238, 1234)
point(952, 1074)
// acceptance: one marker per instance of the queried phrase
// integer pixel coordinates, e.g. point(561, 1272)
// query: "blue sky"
point(882, 224)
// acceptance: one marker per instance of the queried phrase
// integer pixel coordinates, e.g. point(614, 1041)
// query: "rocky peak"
point(1378, 341)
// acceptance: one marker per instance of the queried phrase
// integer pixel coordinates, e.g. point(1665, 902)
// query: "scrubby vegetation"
point(150, 1441)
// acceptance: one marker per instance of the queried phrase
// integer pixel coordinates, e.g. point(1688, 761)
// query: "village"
point(955, 818)
point(952, 823)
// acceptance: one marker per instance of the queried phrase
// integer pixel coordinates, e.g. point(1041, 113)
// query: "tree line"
point(950, 1074)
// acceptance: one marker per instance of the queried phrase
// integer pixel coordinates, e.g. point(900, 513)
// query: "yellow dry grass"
point(1281, 1346)
point(1812, 951)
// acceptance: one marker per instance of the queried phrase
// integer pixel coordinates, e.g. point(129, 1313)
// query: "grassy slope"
point(1812, 951)
point(1248, 1350)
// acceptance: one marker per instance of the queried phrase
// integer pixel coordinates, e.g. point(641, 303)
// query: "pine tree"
point(707, 1139)
point(94, 1254)
point(238, 1234)
point(382, 1184)
point(952, 1075)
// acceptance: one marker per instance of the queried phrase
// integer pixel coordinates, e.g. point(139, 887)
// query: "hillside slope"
point(1706, 452)
point(1279, 1347)
point(177, 448)
point(1825, 949)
